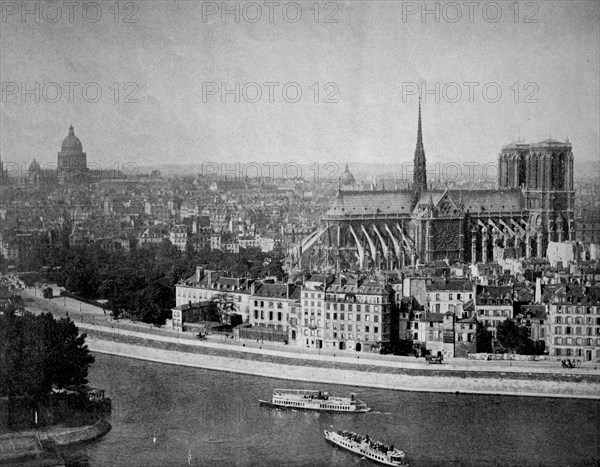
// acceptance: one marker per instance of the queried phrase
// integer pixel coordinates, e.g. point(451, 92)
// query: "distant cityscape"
point(370, 265)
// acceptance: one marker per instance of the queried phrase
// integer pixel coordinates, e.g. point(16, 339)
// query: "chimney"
point(209, 275)
point(288, 287)
point(252, 288)
point(538, 290)
point(199, 272)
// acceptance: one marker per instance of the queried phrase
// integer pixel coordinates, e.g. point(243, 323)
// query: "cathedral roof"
point(477, 201)
point(371, 204)
point(490, 200)
point(71, 143)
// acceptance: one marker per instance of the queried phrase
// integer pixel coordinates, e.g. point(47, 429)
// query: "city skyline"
point(178, 55)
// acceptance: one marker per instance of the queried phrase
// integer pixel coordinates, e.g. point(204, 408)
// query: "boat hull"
point(310, 408)
point(359, 450)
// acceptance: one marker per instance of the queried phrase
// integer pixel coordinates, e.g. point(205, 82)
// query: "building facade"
point(574, 328)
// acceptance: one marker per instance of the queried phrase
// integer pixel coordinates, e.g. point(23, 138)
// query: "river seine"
point(167, 415)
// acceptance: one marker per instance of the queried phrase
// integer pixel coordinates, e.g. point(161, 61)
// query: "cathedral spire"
point(420, 166)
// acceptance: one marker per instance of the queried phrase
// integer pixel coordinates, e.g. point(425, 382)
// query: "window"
point(270, 316)
point(450, 297)
point(567, 329)
point(366, 328)
point(279, 305)
point(557, 330)
point(327, 316)
point(357, 317)
point(279, 316)
point(255, 314)
point(558, 319)
point(437, 296)
point(342, 316)
point(376, 318)
point(375, 329)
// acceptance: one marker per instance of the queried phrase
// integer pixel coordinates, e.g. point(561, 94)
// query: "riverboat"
point(367, 447)
point(306, 399)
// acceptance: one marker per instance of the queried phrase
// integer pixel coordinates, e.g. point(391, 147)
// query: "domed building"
point(347, 179)
point(72, 161)
point(71, 167)
point(34, 172)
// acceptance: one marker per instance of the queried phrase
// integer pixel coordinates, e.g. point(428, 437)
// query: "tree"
point(514, 338)
point(37, 353)
point(225, 305)
point(483, 339)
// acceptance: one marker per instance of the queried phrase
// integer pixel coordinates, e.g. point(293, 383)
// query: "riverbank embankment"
point(353, 374)
point(37, 445)
point(545, 378)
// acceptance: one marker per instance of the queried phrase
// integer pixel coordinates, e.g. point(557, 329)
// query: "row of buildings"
point(440, 315)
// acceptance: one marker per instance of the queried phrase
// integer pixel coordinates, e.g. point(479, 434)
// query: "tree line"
point(141, 282)
point(39, 352)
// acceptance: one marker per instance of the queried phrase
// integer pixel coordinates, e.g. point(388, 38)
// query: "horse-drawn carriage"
point(434, 359)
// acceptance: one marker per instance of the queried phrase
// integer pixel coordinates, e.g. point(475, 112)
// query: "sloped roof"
point(371, 203)
point(433, 317)
point(491, 200)
point(453, 285)
point(277, 291)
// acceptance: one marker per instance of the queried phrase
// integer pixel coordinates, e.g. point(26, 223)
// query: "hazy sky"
point(372, 58)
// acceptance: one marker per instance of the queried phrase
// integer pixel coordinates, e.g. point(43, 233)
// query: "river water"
point(167, 415)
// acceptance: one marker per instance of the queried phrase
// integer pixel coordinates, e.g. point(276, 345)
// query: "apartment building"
point(358, 314)
point(574, 329)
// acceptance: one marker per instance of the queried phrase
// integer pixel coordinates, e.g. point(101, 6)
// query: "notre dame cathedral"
point(533, 205)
